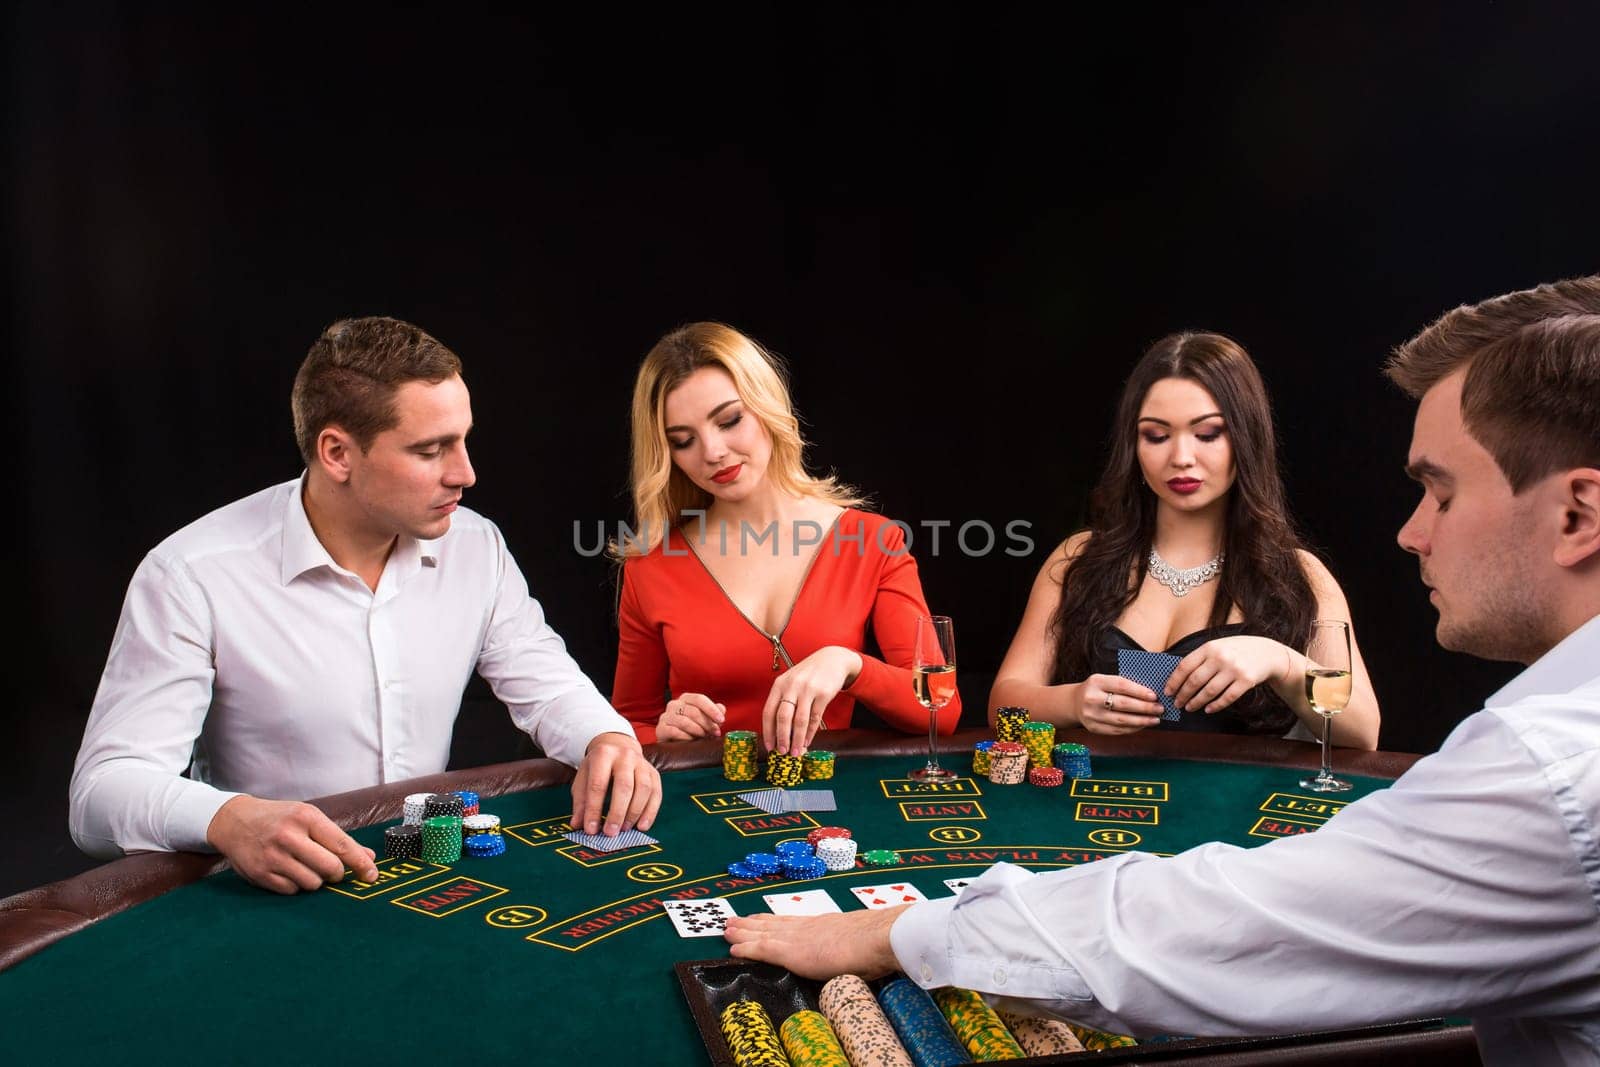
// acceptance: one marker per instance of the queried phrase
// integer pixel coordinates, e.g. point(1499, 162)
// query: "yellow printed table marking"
point(584, 856)
point(516, 916)
point(1144, 814)
point(540, 831)
point(654, 873)
point(762, 824)
point(1116, 838)
point(392, 874)
point(1268, 826)
point(1298, 807)
point(954, 835)
point(722, 803)
point(924, 810)
point(1111, 789)
point(448, 897)
point(909, 787)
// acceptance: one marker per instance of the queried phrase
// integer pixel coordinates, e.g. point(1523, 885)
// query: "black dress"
point(1259, 711)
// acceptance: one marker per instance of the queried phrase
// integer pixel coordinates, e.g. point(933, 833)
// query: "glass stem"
point(1327, 724)
point(933, 732)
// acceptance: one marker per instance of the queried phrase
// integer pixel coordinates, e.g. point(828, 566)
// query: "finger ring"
point(786, 701)
point(1110, 702)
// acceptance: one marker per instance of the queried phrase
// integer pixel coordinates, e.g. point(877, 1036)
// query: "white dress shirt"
point(1470, 887)
point(244, 646)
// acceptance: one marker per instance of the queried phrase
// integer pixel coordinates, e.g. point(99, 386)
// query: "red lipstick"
point(1183, 485)
point(727, 474)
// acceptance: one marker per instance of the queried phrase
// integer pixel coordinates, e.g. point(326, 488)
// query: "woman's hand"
point(1110, 704)
point(1219, 672)
point(689, 716)
point(793, 712)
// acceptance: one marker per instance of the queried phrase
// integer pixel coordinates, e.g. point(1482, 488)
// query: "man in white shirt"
point(316, 637)
point(1471, 886)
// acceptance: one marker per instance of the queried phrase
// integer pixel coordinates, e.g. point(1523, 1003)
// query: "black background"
point(960, 226)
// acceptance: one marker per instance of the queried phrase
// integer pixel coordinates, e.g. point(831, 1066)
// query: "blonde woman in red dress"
point(749, 586)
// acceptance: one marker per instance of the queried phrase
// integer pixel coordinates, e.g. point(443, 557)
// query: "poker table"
point(559, 953)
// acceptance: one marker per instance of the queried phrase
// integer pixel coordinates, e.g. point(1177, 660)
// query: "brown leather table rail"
point(35, 918)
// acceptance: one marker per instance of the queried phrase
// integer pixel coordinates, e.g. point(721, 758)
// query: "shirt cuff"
point(191, 814)
point(921, 942)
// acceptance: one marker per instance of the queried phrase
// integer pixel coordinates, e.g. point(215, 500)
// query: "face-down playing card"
point(602, 843)
point(699, 918)
point(1150, 669)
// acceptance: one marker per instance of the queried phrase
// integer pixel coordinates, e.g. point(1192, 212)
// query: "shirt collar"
point(1569, 665)
point(303, 551)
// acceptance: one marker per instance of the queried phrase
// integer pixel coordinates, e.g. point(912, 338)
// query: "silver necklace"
point(1181, 581)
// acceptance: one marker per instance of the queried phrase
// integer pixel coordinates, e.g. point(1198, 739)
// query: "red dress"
point(679, 632)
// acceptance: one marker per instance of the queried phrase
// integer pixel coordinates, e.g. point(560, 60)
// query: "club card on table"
point(887, 896)
point(1151, 669)
point(602, 843)
point(805, 902)
point(699, 918)
point(956, 885)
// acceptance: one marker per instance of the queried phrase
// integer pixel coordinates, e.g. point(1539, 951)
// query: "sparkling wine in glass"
point(1327, 690)
point(933, 679)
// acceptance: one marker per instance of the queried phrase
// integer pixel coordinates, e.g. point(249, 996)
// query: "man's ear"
point(336, 453)
point(1580, 528)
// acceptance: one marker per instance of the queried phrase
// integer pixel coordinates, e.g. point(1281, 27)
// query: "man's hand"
point(286, 845)
point(818, 946)
point(617, 761)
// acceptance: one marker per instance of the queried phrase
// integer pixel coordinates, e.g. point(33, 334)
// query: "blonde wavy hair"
point(662, 492)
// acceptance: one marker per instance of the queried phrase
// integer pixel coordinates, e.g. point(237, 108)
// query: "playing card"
point(809, 800)
point(602, 843)
point(1151, 669)
point(805, 902)
point(887, 896)
point(956, 885)
point(699, 918)
point(768, 800)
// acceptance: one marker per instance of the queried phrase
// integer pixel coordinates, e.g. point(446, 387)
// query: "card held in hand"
point(602, 843)
point(1151, 669)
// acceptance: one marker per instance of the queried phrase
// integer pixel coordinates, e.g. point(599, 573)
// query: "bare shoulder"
point(1317, 573)
point(1065, 554)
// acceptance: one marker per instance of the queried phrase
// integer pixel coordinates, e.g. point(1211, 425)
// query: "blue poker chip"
point(812, 868)
point(739, 870)
point(792, 848)
point(763, 862)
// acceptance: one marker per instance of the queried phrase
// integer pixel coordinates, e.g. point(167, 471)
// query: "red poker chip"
point(1046, 776)
point(1008, 748)
point(822, 833)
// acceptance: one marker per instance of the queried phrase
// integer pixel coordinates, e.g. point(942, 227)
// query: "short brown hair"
point(350, 376)
point(1531, 395)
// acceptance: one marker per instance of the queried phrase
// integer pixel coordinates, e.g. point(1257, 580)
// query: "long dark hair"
point(1263, 574)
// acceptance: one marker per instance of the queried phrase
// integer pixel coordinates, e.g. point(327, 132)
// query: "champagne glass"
point(933, 678)
point(1327, 690)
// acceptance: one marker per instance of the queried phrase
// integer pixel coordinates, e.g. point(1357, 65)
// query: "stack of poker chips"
point(880, 857)
point(443, 804)
point(1008, 763)
point(441, 839)
point(800, 861)
point(469, 801)
point(403, 842)
point(1041, 1037)
point(739, 755)
point(783, 769)
point(977, 1025)
point(1008, 723)
point(415, 804)
point(1095, 1040)
point(481, 823)
point(1046, 776)
point(921, 1026)
point(864, 1032)
point(810, 1041)
point(483, 845)
point(834, 847)
point(1037, 737)
point(980, 757)
point(818, 765)
point(751, 1037)
point(1073, 760)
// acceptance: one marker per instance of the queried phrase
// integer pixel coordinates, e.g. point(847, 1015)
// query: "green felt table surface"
point(565, 955)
